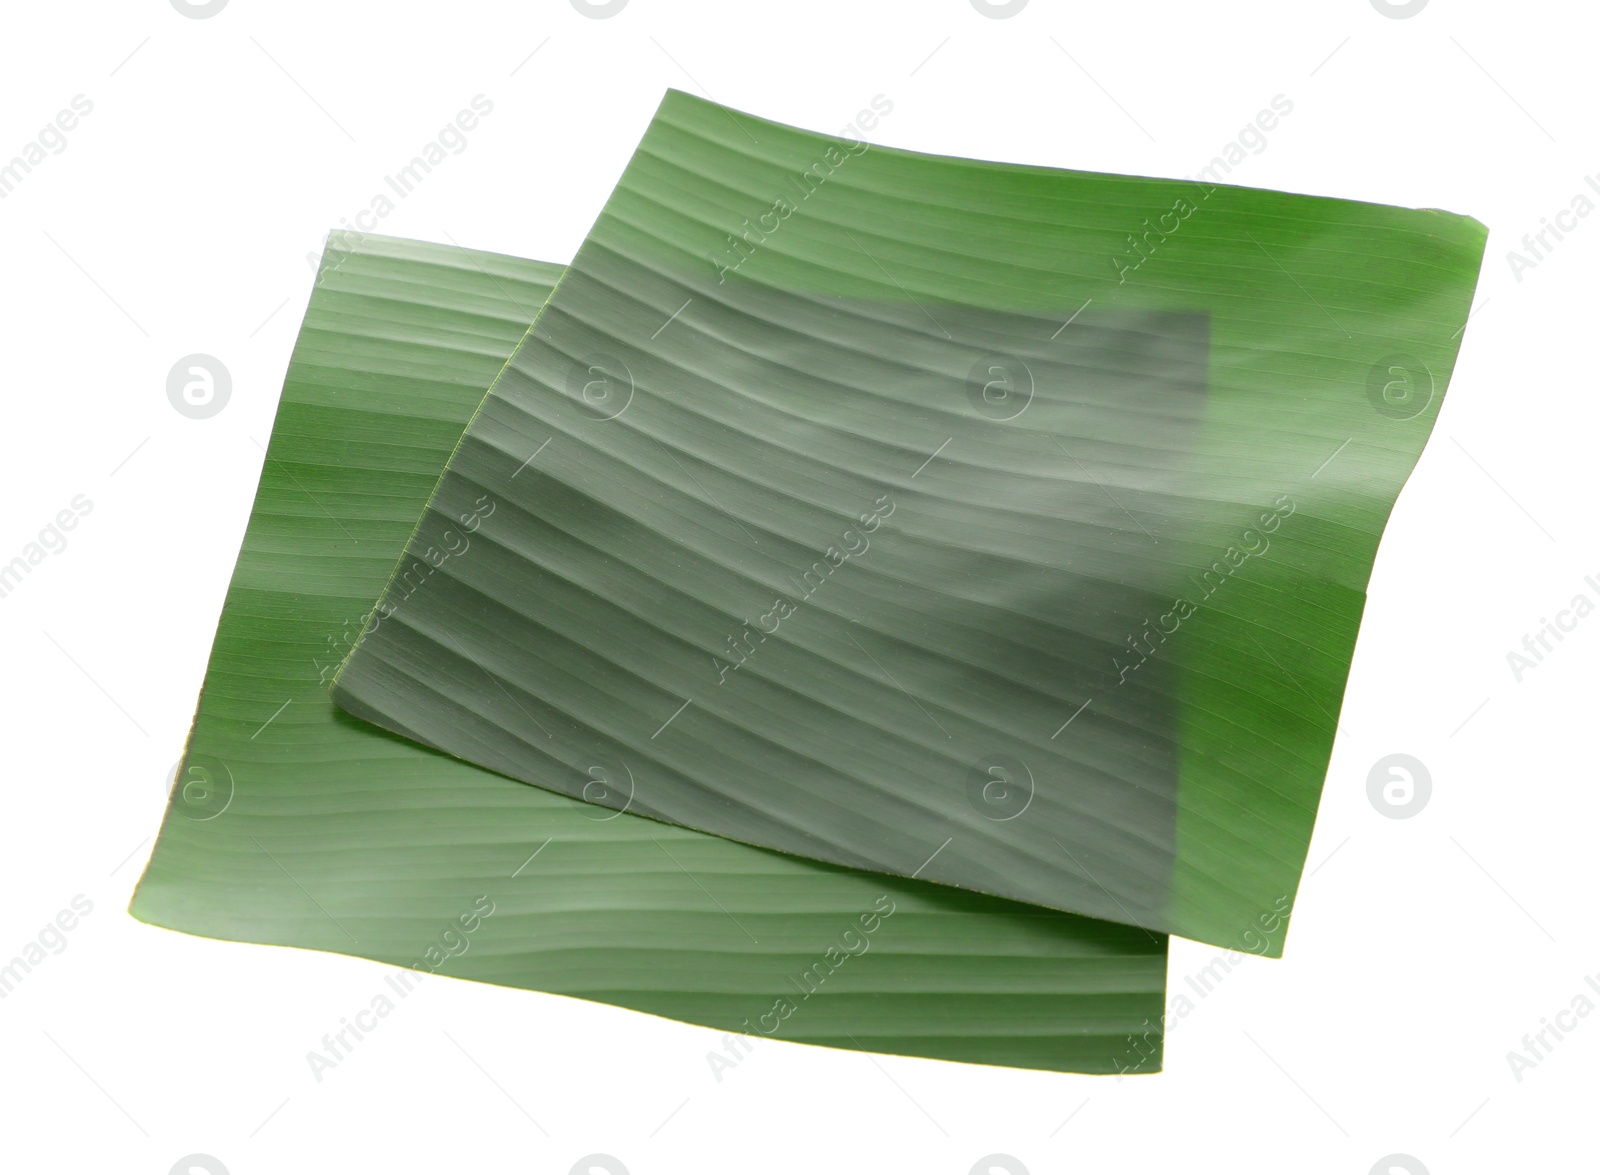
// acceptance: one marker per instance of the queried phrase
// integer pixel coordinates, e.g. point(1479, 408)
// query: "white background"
point(178, 219)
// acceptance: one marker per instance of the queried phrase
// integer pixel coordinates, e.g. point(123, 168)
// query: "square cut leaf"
point(992, 525)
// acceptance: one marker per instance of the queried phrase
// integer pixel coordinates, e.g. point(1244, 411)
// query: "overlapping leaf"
point(292, 823)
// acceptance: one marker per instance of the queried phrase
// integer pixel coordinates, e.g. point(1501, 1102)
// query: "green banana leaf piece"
point(995, 525)
point(291, 823)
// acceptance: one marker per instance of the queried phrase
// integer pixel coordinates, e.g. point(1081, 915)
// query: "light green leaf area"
point(292, 823)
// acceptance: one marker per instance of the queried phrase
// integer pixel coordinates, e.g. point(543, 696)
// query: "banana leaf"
point(1000, 526)
point(291, 823)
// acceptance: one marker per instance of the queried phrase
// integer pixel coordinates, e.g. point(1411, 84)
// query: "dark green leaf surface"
point(1000, 526)
point(294, 824)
